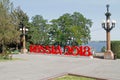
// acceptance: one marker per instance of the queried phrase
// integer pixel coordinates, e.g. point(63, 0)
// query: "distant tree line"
point(68, 29)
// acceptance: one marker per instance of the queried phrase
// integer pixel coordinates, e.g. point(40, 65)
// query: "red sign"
point(68, 50)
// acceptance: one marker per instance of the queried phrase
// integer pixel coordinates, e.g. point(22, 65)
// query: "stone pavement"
point(39, 67)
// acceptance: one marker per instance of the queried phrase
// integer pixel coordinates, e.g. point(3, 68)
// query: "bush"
point(15, 52)
point(115, 47)
point(6, 55)
point(103, 49)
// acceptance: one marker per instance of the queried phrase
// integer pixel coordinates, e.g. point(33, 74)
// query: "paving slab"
point(39, 67)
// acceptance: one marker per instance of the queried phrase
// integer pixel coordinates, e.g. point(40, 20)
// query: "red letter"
point(33, 48)
point(68, 49)
point(48, 51)
point(43, 49)
point(58, 50)
point(81, 51)
point(87, 51)
point(53, 50)
point(77, 50)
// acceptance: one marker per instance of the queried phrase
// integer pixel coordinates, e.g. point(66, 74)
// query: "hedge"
point(115, 47)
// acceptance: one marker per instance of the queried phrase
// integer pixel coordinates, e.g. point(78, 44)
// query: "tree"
point(21, 16)
point(23, 21)
point(8, 32)
point(81, 28)
point(54, 32)
point(38, 30)
point(74, 28)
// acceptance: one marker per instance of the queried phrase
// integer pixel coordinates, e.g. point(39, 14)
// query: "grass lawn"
point(70, 77)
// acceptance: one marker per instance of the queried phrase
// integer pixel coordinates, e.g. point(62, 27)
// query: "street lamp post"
point(108, 26)
point(23, 29)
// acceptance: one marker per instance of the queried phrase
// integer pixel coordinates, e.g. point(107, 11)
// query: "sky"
point(91, 9)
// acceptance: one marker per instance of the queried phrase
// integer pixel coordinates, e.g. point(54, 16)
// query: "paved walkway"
point(39, 67)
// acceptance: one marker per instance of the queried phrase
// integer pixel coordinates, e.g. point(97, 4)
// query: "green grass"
point(13, 59)
point(70, 77)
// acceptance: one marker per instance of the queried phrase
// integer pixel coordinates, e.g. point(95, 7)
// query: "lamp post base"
point(109, 55)
point(24, 51)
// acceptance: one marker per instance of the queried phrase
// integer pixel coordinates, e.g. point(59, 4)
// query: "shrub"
point(103, 49)
point(15, 52)
point(6, 55)
point(115, 47)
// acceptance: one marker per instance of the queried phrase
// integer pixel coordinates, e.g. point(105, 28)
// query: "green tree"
point(38, 30)
point(23, 21)
point(22, 17)
point(54, 32)
point(61, 26)
point(81, 28)
point(74, 28)
point(8, 32)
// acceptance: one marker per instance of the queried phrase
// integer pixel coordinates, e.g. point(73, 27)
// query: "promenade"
point(44, 67)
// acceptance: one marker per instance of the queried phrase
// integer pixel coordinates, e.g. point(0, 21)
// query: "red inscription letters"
point(68, 50)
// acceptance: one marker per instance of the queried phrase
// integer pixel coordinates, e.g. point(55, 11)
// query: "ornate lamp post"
point(23, 29)
point(108, 26)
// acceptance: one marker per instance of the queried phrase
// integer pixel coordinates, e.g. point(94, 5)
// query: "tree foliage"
point(38, 30)
point(68, 29)
point(22, 17)
point(8, 32)
point(115, 47)
point(23, 22)
point(74, 28)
